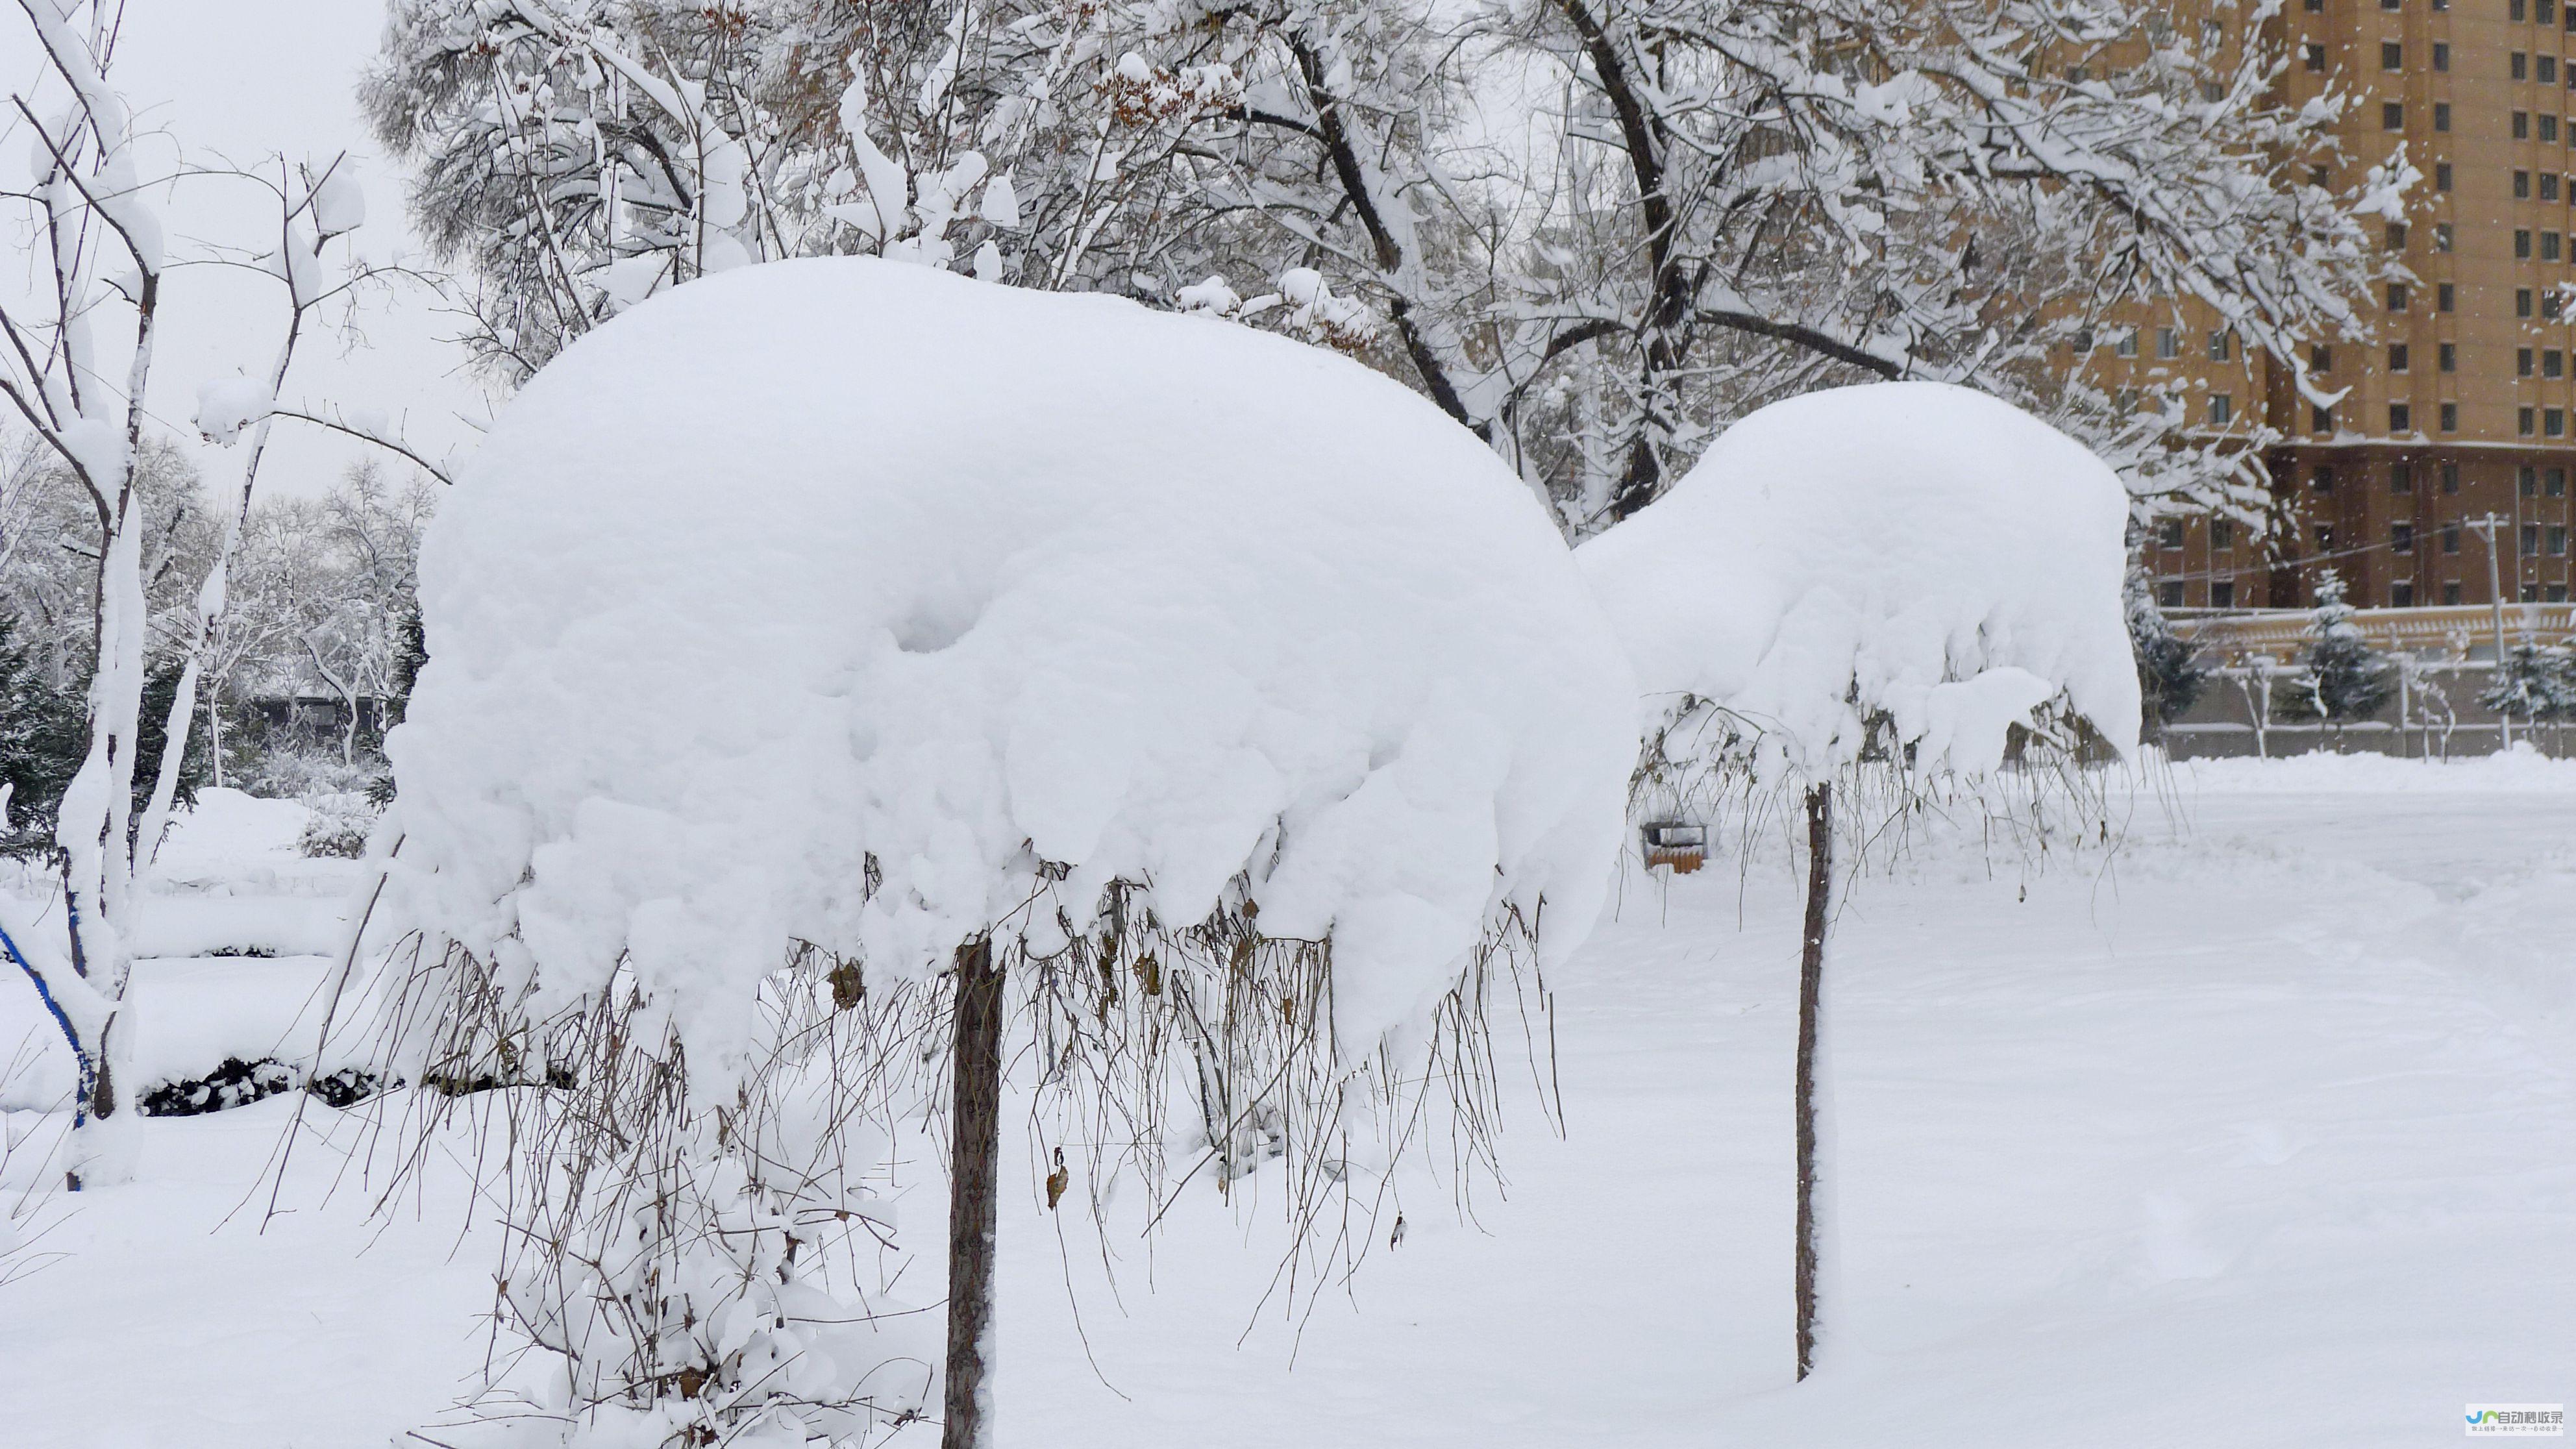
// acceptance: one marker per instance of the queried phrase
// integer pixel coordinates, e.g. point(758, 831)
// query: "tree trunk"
point(975, 1065)
point(1811, 979)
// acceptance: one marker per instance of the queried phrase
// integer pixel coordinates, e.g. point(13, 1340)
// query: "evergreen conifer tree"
point(2347, 679)
point(2170, 676)
point(2533, 684)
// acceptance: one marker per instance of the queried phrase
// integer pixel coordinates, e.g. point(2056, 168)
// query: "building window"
point(2397, 355)
point(2124, 343)
point(2549, 186)
point(2524, 422)
point(2400, 420)
point(2441, 169)
point(2522, 128)
point(2401, 477)
point(2522, 301)
point(2169, 533)
point(2222, 594)
point(2555, 593)
point(2526, 479)
point(2558, 540)
point(2522, 186)
point(2450, 471)
point(2553, 363)
point(2530, 593)
point(2441, 236)
point(2522, 362)
point(2441, 115)
point(2213, 91)
point(2320, 359)
point(2518, 65)
point(2221, 347)
point(2451, 536)
point(2521, 241)
point(2396, 236)
point(2222, 533)
point(2441, 55)
point(2446, 356)
point(2168, 344)
point(2553, 422)
point(2549, 128)
point(2442, 297)
point(2450, 416)
point(2397, 296)
point(2392, 56)
point(2553, 482)
point(2450, 591)
point(2401, 594)
point(2531, 540)
point(2317, 175)
point(2325, 538)
point(2514, 10)
point(2314, 55)
point(2549, 246)
point(2222, 410)
point(2169, 594)
point(2322, 478)
point(2392, 115)
point(2320, 420)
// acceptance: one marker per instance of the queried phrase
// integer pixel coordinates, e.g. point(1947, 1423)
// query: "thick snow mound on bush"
point(831, 571)
point(1910, 547)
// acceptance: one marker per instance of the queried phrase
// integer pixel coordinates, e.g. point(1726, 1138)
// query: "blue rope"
point(88, 1081)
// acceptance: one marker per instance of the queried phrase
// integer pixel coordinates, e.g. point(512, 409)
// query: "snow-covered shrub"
point(340, 826)
point(1908, 575)
point(302, 770)
point(812, 630)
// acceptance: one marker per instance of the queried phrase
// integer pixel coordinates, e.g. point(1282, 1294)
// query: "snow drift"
point(832, 600)
point(1912, 547)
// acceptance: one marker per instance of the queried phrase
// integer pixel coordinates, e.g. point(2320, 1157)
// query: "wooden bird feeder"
point(1679, 844)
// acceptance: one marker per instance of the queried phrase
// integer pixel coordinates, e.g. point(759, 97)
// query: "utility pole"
point(2487, 528)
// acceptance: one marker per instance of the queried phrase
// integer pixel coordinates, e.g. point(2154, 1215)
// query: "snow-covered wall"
point(824, 563)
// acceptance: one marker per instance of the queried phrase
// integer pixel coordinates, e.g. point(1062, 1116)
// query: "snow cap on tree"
point(836, 600)
point(1911, 549)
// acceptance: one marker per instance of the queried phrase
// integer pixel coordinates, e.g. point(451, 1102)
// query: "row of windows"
point(2401, 418)
point(2538, 541)
point(2530, 481)
point(2548, 303)
point(2400, 358)
point(2220, 346)
point(2520, 65)
point(2401, 593)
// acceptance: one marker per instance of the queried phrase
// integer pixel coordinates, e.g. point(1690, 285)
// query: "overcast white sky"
point(245, 80)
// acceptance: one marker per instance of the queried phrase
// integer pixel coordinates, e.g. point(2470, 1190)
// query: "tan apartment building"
point(2463, 407)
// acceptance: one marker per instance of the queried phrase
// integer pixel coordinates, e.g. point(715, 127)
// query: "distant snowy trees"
point(1592, 231)
point(76, 371)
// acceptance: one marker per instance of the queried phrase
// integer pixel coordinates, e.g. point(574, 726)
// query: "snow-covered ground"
point(2259, 1131)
